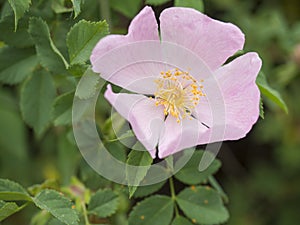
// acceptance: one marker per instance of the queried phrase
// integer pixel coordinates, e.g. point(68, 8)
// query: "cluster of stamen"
point(178, 92)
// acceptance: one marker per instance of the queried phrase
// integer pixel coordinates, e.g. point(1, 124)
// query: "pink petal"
point(143, 27)
point(145, 118)
point(213, 41)
point(241, 94)
point(136, 66)
point(130, 67)
point(179, 136)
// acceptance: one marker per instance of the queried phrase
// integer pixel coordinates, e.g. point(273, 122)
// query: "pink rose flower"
point(177, 76)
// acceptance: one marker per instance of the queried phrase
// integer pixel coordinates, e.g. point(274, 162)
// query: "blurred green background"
point(260, 173)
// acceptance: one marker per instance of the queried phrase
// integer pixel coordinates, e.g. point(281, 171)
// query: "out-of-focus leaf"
point(63, 109)
point(47, 184)
point(76, 7)
point(19, 7)
point(155, 210)
point(19, 38)
point(103, 203)
point(128, 8)
point(37, 96)
point(181, 221)
point(68, 157)
point(202, 205)
point(59, 7)
point(157, 2)
point(190, 173)
point(134, 175)
point(12, 191)
point(13, 135)
point(196, 4)
point(48, 54)
point(83, 37)
point(8, 208)
point(88, 85)
point(269, 92)
point(16, 64)
point(58, 205)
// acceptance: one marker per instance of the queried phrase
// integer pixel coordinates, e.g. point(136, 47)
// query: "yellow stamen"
point(178, 92)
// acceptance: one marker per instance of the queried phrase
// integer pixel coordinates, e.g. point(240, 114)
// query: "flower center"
point(178, 92)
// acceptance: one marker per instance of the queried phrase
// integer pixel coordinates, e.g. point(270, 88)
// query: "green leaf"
point(190, 173)
point(181, 221)
point(19, 38)
point(214, 183)
point(143, 191)
point(83, 37)
point(19, 7)
point(58, 6)
point(196, 4)
point(12, 191)
point(63, 109)
point(88, 84)
point(54, 221)
point(49, 55)
point(269, 92)
point(261, 109)
point(155, 210)
point(58, 205)
point(103, 203)
point(142, 161)
point(16, 64)
point(128, 8)
point(157, 2)
point(8, 208)
point(76, 7)
point(37, 96)
point(202, 205)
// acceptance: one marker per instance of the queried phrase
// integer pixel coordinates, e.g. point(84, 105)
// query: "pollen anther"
point(178, 92)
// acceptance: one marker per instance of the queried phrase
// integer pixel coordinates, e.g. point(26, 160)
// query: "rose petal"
point(213, 41)
point(143, 27)
point(145, 117)
point(178, 136)
point(241, 94)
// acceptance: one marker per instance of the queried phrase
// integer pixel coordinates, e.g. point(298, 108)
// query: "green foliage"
point(19, 7)
point(12, 191)
point(155, 210)
point(48, 54)
point(19, 38)
point(103, 203)
point(269, 92)
point(128, 8)
point(134, 175)
point(143, 191)
point(7, 209)
point(181, 221)
point(37, 98)
point(89, 84)
point(196, 4)
point(83, 37)
point(77, 7)
point(202, 205)
point(16, 64)
point(63, 109)
point(156, 2)
point(56, 204)
point(190, 173)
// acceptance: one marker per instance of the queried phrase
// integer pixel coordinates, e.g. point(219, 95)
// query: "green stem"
point(105, 11)
point(173, 195)
point(86, 219)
